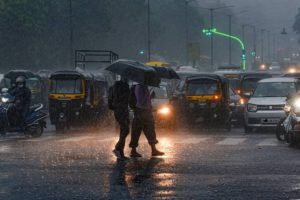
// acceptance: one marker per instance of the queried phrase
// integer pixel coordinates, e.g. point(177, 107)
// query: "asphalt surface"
point(198, 164)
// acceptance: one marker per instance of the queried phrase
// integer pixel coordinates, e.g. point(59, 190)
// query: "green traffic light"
point(214, 31)
point(142, 52)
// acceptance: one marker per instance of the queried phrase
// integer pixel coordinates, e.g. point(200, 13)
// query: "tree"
point(296, 25)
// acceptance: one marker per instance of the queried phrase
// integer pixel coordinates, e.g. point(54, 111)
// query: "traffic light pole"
point(212, 31)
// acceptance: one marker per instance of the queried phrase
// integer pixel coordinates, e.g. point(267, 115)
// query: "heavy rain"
point(149, 99)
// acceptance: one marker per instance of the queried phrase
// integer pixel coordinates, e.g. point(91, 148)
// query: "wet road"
point(198, 165)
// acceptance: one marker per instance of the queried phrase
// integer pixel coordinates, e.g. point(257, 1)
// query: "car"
point(265, 106)
point(162, 109)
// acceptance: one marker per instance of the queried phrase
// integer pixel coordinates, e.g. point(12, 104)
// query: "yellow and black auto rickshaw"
point(205, 99)
point(74, 99)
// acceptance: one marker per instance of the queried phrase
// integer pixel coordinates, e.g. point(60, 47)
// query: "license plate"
point(270, 121)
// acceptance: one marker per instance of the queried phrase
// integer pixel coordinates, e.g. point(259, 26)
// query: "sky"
point(271, 14)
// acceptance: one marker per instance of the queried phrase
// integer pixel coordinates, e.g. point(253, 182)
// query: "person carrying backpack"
point(118, 102)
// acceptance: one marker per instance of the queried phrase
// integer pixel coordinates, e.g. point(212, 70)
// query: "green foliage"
point(26, 16)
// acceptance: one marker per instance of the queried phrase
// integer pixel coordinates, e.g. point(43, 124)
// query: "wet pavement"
point(198, 165)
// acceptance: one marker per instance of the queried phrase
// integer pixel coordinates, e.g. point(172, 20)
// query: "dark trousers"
point(143, 121)
point(122, 117)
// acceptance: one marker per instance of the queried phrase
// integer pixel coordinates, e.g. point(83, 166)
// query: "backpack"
point(132, 98)
point(111, 98)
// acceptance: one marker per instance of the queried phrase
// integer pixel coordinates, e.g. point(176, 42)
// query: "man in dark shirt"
point(119, 103)
point(22, 102)
point(143, 121)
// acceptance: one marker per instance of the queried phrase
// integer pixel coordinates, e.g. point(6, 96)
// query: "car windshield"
point(249, 84)
point(68, 86)
point(275, 89)
point(203, 87)
point(161, 92)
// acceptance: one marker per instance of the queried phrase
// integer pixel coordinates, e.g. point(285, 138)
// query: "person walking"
point(118, 102)
point(143, 120)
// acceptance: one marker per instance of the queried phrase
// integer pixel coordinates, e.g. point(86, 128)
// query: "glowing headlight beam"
point(164, 110)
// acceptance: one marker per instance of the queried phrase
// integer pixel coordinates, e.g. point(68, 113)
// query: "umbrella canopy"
point(135, 71)
point(166, 72)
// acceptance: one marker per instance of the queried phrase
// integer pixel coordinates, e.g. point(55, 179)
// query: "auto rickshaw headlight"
point(252, 108)
point(61, 115)
point(164, 110)
point(242, 101)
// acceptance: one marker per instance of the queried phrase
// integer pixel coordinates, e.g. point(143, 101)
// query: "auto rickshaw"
point(205, 99)
point(248, 82)
point(74, 99)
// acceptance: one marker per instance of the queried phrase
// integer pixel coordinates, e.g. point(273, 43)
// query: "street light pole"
point(262, 44)
point(211, 10)
point(230, 44)
point(268, 44)
point(71, 31)
point(148, 31)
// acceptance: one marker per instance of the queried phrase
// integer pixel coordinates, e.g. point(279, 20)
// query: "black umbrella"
point(166, 72)
point(135, 71)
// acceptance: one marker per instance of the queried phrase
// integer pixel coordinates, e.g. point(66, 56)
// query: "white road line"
point(191, 140)
point(269, 142)
point(78, 139)
point(231, 141)
point(5, 149)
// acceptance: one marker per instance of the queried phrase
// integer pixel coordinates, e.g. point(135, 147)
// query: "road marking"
point(77, 139)
point(269, 142)
point(192, 140)
point(231, 141)
point(4, 149)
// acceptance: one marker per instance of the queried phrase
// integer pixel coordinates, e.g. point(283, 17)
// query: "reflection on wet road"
point(205, 165)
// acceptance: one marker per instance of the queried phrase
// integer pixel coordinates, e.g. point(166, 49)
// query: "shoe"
point(123, 158)
point(157, 153)
point(118, 153)
point(135, 155)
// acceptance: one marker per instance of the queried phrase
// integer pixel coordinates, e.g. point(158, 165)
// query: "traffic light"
point(141, 52)
point(253, 53)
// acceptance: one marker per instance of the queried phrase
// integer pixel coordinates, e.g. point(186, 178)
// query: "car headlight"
point(252, 108)
point(4, 99)
point(297, 105)
point(164, 110)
